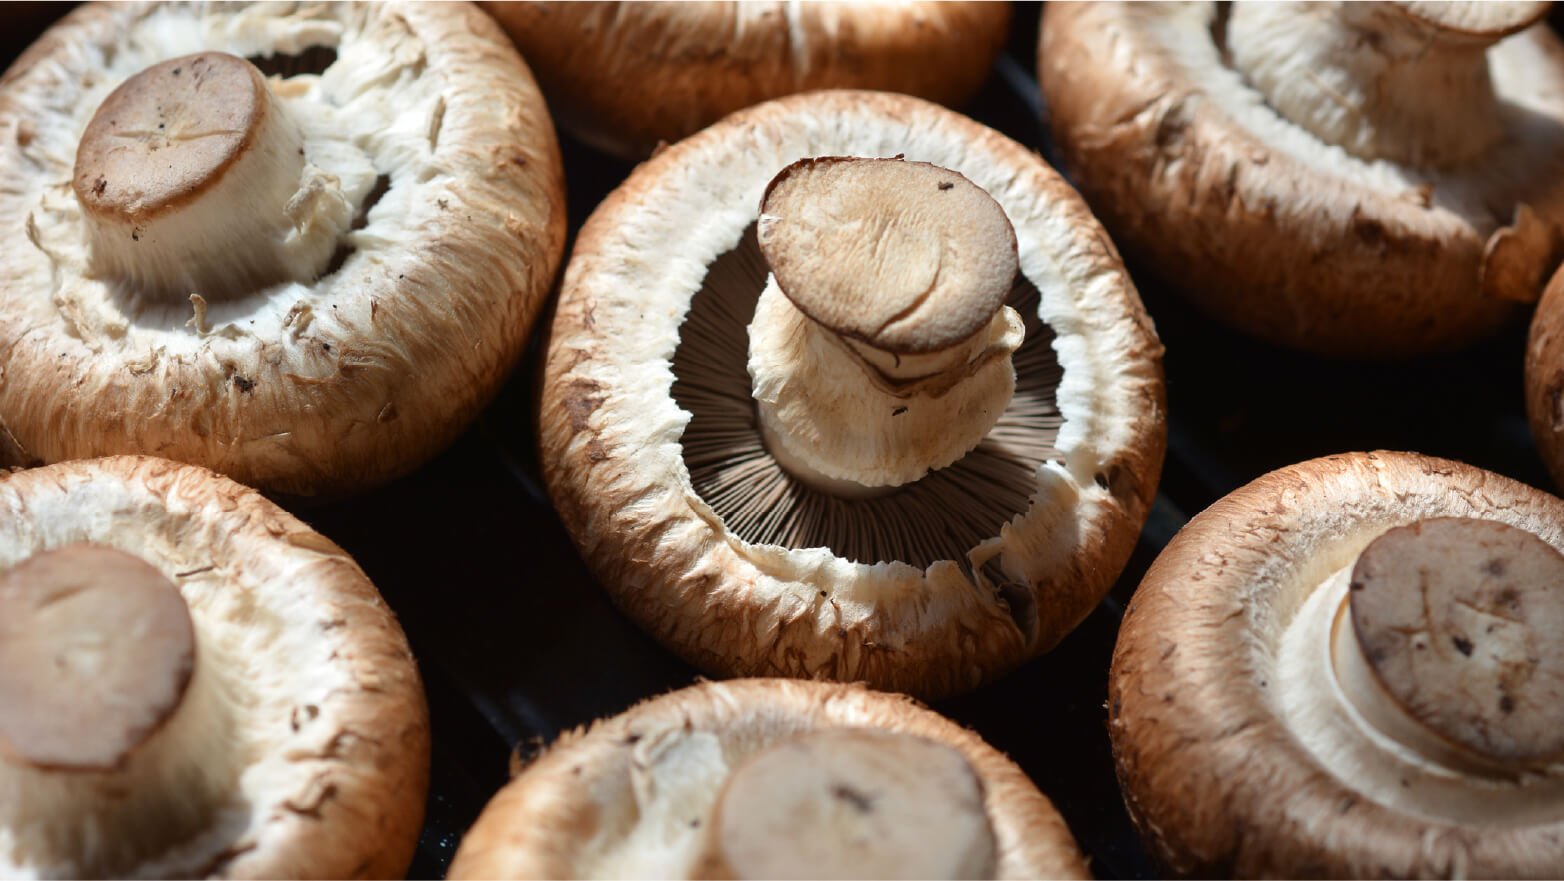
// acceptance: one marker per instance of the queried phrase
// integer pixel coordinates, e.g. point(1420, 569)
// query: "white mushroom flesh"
point(1373, 80)
point(250, 748)
point(832, 425)
point(880, 346)
point(164, 166)
point(371, 113)
point(1314, 694)
point(1481, 193)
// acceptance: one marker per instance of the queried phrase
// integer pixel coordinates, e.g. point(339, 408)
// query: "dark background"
point(517, 643)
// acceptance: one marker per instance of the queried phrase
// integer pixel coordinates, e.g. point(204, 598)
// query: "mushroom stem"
point(880, 348)
point(1402, 81)
point(1448, 643)
point(851, 803)
point(114, 742)
point(193, 179)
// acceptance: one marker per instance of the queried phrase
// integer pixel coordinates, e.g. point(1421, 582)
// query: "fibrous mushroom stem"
point(851, 803)
point(114, 742)
point(193, 180)
point(1402, 81)
point(880, 348)
point(1449, 642)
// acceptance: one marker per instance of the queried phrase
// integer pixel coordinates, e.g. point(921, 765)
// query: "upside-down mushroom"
point(193, 683)
point(806, 418)
point(1369, 179)
point(771, 779)
point(625, 77)
point(309, 281)
point(1351, 667)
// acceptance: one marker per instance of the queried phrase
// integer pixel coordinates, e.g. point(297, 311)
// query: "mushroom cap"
point(1231, 756)
point(1545, 377)
point(624, 77)
point(617, 453)
point(594, 803)
point(1484, 19)
point(316, 388)
point(328, 730)
point(1273, 232)
point(934, 275)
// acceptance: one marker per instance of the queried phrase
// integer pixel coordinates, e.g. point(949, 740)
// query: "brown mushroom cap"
point(346, 324)
point(626, 76)
point(635, 794)
point(1240, 753)
point(654, 458)
point(300, 746)
point(1269, 229)
point(1545, 378)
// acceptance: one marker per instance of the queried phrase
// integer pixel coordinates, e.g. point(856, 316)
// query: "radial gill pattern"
point(941, 517)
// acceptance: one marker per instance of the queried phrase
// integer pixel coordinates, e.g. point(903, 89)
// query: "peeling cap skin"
point(1347, 669)
point(656, 456)
point(625, 77)
point(770, 778)
point(309, 282)
point(1367, 180)
point(193, 683)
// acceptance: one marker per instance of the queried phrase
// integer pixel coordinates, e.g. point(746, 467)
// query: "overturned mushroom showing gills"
point(625, 77)
point(194, 683)
point(302, 247)
point(1372, 179)
point(837, 434)
point(771, 779)
point(1351, 667)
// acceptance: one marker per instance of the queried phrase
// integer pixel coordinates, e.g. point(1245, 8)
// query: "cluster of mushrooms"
point(843, 395)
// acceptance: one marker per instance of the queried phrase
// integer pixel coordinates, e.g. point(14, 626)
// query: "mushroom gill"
point(942, 516)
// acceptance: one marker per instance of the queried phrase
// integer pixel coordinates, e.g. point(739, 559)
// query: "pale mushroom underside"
point(309, 735)
point(420, 117)
point(1225, 715)
point(620, 447)
point(1295, 239)
point(631, 796)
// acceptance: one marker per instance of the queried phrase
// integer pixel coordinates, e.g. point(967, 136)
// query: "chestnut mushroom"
point(193, 683)
point(1374, 179)
point(308, 280)
point(803, 416)
point(771, 779)
point(625, 77)
point(1351, 667)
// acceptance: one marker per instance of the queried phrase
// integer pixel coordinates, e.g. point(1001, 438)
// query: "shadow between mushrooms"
point(309, 281)
point(770, 779)
point(1374, 179)
point(193, 683)
point(1351, 667)
point(921, 577)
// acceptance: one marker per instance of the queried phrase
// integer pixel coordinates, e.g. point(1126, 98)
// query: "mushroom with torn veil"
point(1351, 667)
point(771, 779)
point(193, 683)
point(850, 386)
point(1371, 179)
point(309, 281)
